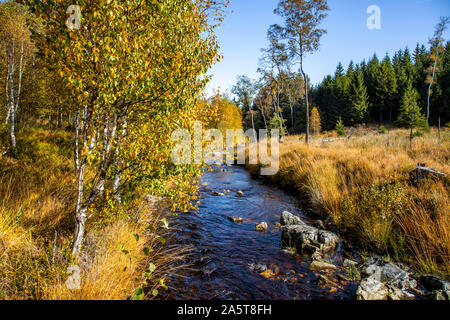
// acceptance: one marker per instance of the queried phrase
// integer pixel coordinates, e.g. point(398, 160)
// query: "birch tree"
point(135, 69)
point(301, 30)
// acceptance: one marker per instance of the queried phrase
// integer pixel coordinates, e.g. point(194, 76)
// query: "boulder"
point(240, 193)
point(308, 239)
point(387, 273)
point(372, 289)
point(289, 219)
point(220, 194)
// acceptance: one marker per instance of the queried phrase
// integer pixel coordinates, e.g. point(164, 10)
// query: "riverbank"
point(363, 184)
point(37, 194)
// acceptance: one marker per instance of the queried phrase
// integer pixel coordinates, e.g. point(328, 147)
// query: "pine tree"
point(387, 89)
point(340, 128)
point(373, 83)
point(410, 114)
point(360, 100)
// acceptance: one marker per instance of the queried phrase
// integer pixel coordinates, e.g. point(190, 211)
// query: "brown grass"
point(36, 223)
point(362, 182)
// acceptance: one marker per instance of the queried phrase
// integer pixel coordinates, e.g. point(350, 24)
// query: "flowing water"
point(228, 258)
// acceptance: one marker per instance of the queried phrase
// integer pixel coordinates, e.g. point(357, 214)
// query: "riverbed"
point(234, 261)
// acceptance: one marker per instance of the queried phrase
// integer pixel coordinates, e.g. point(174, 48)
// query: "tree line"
point(409, 89)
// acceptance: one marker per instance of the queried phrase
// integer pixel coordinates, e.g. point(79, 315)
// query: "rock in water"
point(372, 289)
point(349, 263)
point(220, 194)
point(236, 219)
point(240, 193)
point(308, 239)
point(322, 266)
point(262, 227)
point(259, 267)
point(288, 219)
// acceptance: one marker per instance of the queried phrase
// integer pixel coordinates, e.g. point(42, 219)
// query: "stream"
point(228, 258)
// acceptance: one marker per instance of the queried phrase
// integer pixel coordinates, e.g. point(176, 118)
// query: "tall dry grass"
point(36, 224)
point(362, 182)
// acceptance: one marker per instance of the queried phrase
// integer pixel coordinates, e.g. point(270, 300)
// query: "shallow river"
point(228, 258)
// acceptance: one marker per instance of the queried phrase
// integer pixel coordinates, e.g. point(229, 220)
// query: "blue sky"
point(403, 23)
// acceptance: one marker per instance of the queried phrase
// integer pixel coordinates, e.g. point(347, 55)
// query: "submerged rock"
point(257, 267)
point(289, 219)
point(262, 226)
point(322, 266)
point(220, 194)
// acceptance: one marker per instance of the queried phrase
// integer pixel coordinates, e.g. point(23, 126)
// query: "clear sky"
point(403, 23)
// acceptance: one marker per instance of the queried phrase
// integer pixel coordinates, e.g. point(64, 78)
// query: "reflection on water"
point(228, 257)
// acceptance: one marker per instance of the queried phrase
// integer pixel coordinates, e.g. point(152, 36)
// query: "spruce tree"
point(360, 99)
point(411, 116)
point(387, 89)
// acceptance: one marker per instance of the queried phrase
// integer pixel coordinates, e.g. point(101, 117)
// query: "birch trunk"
point(11, 97)
point(7, 99)
point(76, 147)
point(306, 88)
point(19, 88)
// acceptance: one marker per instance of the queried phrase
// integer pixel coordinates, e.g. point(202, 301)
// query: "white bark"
point(11, 97)
point(19, 89)
point(7, 99)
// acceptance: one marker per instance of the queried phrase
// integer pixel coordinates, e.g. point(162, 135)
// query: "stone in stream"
point(289, 219)
point(236, 219)
point(262, 227)
point(322, 266)
point(308, 239)
point(240, 193)
point(220, 194)
point(259, 267)
point(383, 280)
point(349, 263)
